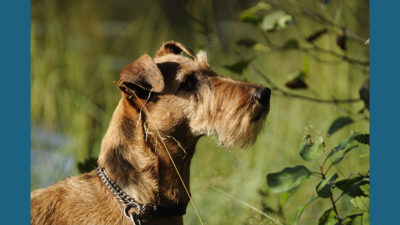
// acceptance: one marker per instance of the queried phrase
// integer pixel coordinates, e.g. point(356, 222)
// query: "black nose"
point(263, 95)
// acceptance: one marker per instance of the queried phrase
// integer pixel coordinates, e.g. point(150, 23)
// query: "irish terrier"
point(167, 104)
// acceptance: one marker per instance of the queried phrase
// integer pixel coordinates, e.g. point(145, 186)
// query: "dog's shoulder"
point(72, 191)
point(70, 184)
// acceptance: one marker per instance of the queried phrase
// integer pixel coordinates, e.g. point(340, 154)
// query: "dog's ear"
point(142, 73)
point(172, 47)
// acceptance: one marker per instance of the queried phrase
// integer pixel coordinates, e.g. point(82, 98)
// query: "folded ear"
point(142, 73)
point(172, 47)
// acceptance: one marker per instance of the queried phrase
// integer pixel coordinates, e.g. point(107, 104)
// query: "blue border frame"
point(15, 112)
point(385, 111)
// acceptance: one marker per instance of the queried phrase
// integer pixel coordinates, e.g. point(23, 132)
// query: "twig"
point(317, 174)
point(316, 48)
point(353, 215)
point(323, 20)
point(248, 205)
point(308, 98)
point(206, 29)
point(313, 49)
point(341, 56)
point(348, 112)
point(335, 210)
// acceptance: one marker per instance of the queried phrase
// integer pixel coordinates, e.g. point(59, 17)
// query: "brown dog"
point(144, 164)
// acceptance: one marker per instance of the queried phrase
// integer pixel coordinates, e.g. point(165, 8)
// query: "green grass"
point(79, 47)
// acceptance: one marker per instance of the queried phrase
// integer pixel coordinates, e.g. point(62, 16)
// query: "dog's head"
point(178, 92)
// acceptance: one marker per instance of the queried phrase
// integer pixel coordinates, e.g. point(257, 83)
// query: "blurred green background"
point(78, 48)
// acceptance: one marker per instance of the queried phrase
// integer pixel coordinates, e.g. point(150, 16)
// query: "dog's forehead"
point(199, 63)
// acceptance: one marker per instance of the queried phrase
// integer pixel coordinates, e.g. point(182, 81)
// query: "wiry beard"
point(229, 117)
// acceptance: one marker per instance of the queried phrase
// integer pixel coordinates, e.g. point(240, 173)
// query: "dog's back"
point(75, 200)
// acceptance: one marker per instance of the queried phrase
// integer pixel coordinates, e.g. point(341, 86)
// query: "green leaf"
point(362, 138)
point(343, 144)
point(339, 123)
point(287, 179)
point(365, 218)
point(324, 188)
point(284, 196)
point(355, 220)
point(361, 202)
point(328, 218)
point(301, 209)
point(365, 189)
point(341, 157)
point(291, 43)
point(238, 67)
point(300, 74)
point(297, 81)
point(284, 21)
point(312, 150)
point(254, 14)
point(270, 21)
point(359, 220)
point(351, 186)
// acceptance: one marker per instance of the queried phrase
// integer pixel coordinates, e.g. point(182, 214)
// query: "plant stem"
point(335, 210)
point(293, 95)
point(354, 215)
point(317, 174)
point(331, 198)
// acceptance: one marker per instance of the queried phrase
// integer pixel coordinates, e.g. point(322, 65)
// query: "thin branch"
point(316, 48)
point(331, 198)
point(323, 20)
point(341, 56)
point(248, 205)
point(317, 174)
point(313, 49)
point(206, 29)
point(308, 98)
point(335, 210)
point(348, 112)
point(353, 215)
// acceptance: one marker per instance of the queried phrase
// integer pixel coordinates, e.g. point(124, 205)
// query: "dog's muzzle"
point(262, 96)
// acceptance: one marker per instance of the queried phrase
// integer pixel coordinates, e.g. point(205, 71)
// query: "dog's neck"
point(138, 160)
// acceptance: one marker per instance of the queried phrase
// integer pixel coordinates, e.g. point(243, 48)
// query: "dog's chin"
point(247, 137)
point(260, 114)
point(240, 130)
point(255, 127)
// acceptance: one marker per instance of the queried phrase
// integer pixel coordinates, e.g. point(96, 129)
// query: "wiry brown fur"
point(154, 117)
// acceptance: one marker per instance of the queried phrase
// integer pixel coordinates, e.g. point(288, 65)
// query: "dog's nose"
point(263, 95)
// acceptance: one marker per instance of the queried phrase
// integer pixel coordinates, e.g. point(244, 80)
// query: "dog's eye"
point(189, 83)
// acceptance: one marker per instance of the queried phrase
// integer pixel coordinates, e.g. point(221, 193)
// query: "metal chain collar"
point(143, 210)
